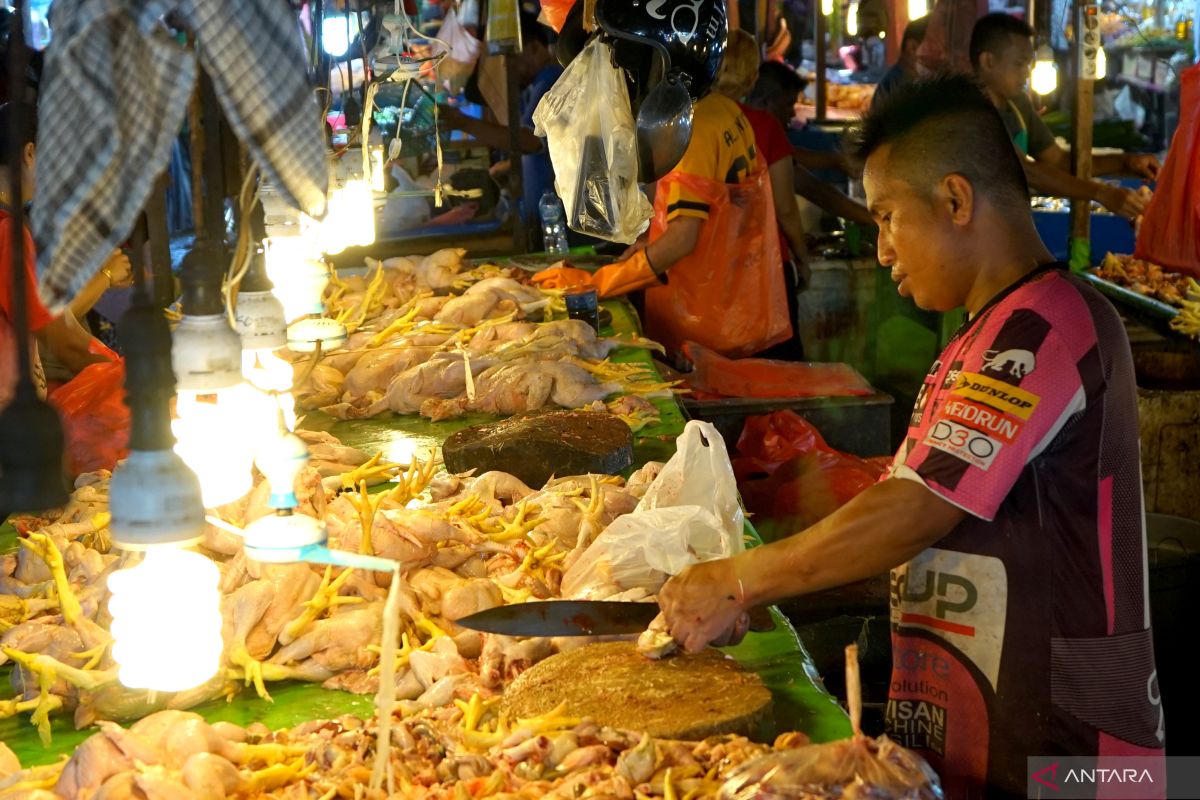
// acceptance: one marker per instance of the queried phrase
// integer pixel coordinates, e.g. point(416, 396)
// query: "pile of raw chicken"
point(432, 336)
point(467, 543)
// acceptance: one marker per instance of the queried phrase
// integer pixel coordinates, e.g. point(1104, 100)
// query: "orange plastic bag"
point(554, 13)
point(1170, 231)
point(790, 479)
point(764, 377)
point(95, 417)
point(728, 294)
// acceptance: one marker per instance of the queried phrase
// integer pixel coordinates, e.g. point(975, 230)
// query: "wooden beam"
point(821, 59)
point(1082, 109)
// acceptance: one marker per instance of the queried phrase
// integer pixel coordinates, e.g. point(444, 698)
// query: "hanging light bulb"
point(166, 624)
point(1101, 64)
point(166, 618)
point(852, 19)
point(826, 8)
point(213, 405)
point(1044, 78)
point(262, 326)
point(350, 220)
point(300, 278)
point(917, 8)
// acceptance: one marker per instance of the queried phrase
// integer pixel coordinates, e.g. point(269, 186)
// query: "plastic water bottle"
point(554, 224)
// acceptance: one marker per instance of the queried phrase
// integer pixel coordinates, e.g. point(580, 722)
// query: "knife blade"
point(580, 618)
point(563, 618)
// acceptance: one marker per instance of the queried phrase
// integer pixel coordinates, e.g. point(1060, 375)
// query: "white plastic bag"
point(589, 129)
point(689, 514)
point(464, 51)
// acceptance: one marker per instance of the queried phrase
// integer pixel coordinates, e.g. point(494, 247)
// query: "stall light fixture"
point(350, 220)
point(1101, 64)
point(852, 19)
point(166, 622)
point(826, 8)
point(212, 406)
point(917, 8)
point(1044, 78)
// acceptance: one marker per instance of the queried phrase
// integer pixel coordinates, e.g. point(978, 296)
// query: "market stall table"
point(777, 656)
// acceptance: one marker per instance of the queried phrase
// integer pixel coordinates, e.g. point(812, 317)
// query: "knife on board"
point(579, 618)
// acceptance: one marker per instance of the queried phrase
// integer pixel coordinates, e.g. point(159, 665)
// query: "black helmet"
point(688, 35)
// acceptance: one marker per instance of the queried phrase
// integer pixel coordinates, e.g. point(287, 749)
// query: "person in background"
point(775, 92)
point(1012, 517)
point(116, 273)
point(62, 335)
point(905, 68)
point(537, 69)
point(739, 72)
point(1002, 55)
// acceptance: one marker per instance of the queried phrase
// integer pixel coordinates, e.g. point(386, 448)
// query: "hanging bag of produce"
point(1170, 231)
point(728, 294)
point(589, 128)
point(464, 51)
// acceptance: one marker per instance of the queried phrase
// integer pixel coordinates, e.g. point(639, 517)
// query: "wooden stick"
point(854, 689)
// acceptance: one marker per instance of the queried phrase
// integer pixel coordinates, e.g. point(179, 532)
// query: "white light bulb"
point(166, 621)
point(917, 8)
point(212, 432)
point(299, 275)
point(1044, 78)
point(852, 19)
point(350, 220)
point(826, 8)
point(272, 376)
point(1101, 64)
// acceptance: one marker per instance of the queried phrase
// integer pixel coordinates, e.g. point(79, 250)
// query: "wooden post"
point(1081, 155)
point(515, 187)
point(821, 59)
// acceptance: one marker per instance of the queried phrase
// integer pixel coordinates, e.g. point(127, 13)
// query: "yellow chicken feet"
point(252, 671)
point(93, 656)
point(277, 776)
point(475, 710)
point(43, 546)
point(519, 527)
point(15, 610)
point(46, 703)
point(325, 598)
point(366, 506)
point(374, 470)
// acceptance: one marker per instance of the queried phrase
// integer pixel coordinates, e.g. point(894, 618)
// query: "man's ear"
point(27, 154)
point(959, 196)
point(987, 61)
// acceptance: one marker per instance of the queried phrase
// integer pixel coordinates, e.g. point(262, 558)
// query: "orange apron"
point(728, 294)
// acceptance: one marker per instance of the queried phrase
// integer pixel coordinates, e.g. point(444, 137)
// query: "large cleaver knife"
point(578, 618)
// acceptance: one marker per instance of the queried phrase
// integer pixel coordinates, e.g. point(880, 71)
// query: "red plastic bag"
point(728, 294)
point(790, 478)
point(1170, 231)
point(764, 377)
point(554, 13)
point(95, 417)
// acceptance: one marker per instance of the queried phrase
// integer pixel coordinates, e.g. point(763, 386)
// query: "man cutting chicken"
point(1012, 517)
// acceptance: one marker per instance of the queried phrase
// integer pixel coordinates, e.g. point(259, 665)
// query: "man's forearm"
point(1049, 180)
point(878, 530)
point(497, 136)
point(817, 191)
point(1112, 164)
point(89, 295)
point(676, 242)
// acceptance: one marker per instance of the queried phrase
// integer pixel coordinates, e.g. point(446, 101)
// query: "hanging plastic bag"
point(95, 417)
point(728, 294)
point(1170, 232)
point(689, 514)
point(589, 129)
point(554, 13)
point(464, 51)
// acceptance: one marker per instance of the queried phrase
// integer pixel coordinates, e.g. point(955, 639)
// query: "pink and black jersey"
point(1026, 630)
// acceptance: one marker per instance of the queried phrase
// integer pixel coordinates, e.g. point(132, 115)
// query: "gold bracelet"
point(106, 272)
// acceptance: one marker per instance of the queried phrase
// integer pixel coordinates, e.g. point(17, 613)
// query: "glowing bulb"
point(350, 220)
point(377, 171)
point(826, 8)
point(166, 621)
point(852, 19)
point(300, 277)
point(1044, 78)
point(917, 8)
point(1101, 64)
point(272, 376)
point(212, 432)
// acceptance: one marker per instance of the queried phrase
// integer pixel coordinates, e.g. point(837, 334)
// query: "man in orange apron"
point(714, 230)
